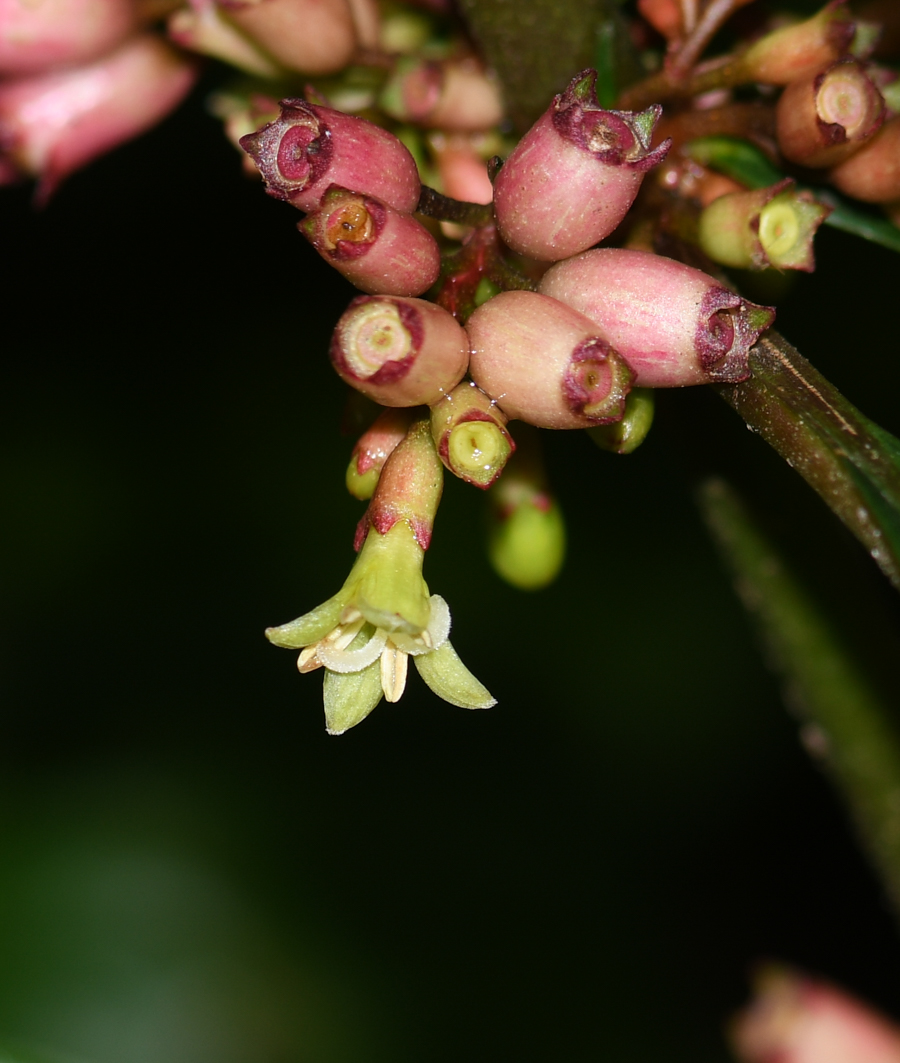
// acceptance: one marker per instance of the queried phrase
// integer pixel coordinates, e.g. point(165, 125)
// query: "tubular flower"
point(53, 124)
point(309, 148)
point(381, 250)
point(545, 363)
point(399, 351)
point(766, 227)
point(384, 614)
point(574, 175)
point(824, 118)
point(673, 324)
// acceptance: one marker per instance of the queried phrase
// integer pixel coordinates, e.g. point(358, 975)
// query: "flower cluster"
point(561, 350)
point(487, 309)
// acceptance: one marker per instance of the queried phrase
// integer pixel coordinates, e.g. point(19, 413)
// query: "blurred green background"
point(192, 870)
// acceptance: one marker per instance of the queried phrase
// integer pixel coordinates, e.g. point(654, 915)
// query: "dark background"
point(192, 870)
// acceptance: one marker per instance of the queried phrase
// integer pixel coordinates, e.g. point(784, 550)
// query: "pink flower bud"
point(873, 173)
point(823, 118)
point(456, 95)
point(673, 324)
point(309, 148)
point(798, 1020)
point(55, 124)
point(399, 352)
point(544, 363)
point(462, 170)
point(381, 250)
point(36, 37)
point(312, 36)
point(574, 175)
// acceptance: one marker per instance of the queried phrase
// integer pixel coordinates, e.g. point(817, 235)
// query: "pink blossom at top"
point(796, 1019)
point(52, 125)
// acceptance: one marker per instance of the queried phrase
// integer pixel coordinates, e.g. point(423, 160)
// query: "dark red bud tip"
point(727, 328)
point(292, 152)
point(309, 148)
point(617, 138)
point(597, 381)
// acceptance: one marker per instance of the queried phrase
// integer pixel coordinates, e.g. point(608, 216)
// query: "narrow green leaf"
point(745, 162)
point(736, 158)
point(845, 723)
point(851, 462)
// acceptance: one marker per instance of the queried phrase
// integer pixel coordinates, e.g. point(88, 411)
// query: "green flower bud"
point(622, 437)
point(527, 535)
point(768, 227)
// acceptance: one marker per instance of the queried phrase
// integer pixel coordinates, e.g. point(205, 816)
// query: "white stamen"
point(393, 673)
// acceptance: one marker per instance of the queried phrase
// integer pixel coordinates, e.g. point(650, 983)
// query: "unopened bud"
point(796, 1019)
point(52, 125)
point(574, 175)
point(824, 118)
point(39, 37)
point(544, 363)
point(310, 36)
point(372, 450)
point(205, 29)
point(673, 324)
point(455, 95)
point(802, 49)
point(381, 250)
point(767, 227)
point(873, 173)
point(398, 351)
point(625, 436)
point(308, 148)
point(527, 533)
point(469, 431)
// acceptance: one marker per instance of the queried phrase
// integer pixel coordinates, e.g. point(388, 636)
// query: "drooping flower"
point(384, 614)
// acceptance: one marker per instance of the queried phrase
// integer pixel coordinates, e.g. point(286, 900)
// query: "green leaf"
point(745, 162)
point(846, 724)
point(10, 1053)
point(449, 678)
point(851, 462)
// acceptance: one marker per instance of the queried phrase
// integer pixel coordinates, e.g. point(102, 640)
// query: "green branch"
point(851, 462)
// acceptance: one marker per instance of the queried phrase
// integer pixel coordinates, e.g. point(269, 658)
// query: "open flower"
point(384, 614)
point(365, 635)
